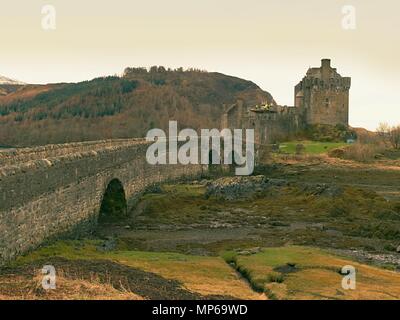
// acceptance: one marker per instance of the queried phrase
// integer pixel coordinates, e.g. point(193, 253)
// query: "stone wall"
point(269, 125)
point(51, 190)
point(329, 107)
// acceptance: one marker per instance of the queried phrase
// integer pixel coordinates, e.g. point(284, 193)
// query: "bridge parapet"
point(51, 190)
point(19, 155)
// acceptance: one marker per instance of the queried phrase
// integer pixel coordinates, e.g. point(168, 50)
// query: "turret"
point(326, 68)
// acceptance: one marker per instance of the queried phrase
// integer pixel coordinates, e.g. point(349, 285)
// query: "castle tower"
point(322, 96)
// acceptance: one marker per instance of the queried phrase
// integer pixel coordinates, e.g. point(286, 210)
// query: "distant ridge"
point(5, 80)
point(120, 107)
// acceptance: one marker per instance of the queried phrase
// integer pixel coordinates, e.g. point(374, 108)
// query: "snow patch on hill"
point(4, 80)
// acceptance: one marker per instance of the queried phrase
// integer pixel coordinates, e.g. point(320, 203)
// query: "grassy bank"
point(310, 273)
point(310, 147)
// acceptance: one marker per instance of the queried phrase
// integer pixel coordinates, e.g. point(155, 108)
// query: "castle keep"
point(321, 97)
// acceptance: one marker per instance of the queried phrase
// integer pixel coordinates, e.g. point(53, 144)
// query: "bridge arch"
point(113, 204)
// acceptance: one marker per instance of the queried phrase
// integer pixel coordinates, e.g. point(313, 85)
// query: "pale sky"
point(270, 42)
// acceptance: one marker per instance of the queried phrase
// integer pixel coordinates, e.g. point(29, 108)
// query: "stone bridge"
point(60, 189)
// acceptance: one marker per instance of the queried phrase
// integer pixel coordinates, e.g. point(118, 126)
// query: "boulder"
point(231, 188)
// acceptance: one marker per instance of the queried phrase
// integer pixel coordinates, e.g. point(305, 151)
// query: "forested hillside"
point(119, 107)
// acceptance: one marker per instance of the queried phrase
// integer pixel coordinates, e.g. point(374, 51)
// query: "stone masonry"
point(49, 191)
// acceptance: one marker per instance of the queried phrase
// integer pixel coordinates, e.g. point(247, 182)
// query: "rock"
point(244, 253)
point(250, 251)
point(231, 188)
point(317, 226)
point(322, 189)
point(300, 148)
point(255, 250)
point(398, 249)
point(108, 245)
point(217, 225)
point(155, 188)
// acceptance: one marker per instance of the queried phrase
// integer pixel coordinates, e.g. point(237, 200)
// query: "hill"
point(9, 85)
point(8, 81)
point(120, 107)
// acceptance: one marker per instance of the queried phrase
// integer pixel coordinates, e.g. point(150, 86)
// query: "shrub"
point(328, 133)
point(360, 152)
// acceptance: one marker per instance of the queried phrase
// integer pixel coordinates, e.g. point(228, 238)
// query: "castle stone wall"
point(268, 126)
point(271, 127)
point(329, 107)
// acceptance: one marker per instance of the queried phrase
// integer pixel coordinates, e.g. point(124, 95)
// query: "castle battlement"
point(310, 82)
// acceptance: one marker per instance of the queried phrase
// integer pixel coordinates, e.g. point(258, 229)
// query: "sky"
point(270, 42)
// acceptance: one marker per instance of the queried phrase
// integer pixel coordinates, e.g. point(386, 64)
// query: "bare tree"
point(390, 136)
point(394, 137)
point(383, 130)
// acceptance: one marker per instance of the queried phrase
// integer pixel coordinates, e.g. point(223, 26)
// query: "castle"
point(321, 97)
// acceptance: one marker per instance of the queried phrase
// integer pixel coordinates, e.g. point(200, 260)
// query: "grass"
point(231, 259)
point(333, 174)
point(178, 204)
point(317, 275)
point(66, 289)
point(208, 276)
point(310, 147)
point(292, 272)
point(205, 275)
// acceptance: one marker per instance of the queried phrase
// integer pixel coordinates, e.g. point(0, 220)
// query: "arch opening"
point(113, 206)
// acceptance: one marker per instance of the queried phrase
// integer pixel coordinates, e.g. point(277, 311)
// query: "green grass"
point(87, 249)
point(311, 147)
point(316, 275)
